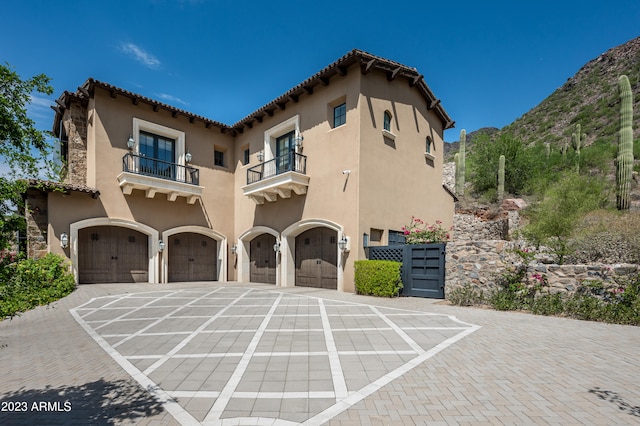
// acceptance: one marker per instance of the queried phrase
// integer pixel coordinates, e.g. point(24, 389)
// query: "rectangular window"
point(339, 115)
point(245, 158)
point(218, 158)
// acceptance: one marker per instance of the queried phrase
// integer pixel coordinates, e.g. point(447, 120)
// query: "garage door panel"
point(262, 259)
point(112, 254)
point(192, 257)
point(316, 258)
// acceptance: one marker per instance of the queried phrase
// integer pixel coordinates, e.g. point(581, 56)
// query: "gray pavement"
point(228, 353)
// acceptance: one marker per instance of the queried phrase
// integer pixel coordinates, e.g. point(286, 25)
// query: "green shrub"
point(565, 202)
point(378, 277)
point(34, 282)
point(467, 295)
point(484, 159)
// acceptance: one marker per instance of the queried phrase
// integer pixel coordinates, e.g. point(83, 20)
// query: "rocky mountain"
point(590, 98)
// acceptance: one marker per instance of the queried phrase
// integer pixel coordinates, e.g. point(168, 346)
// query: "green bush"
point(34, 282)
point(565, 202)
point(467, 295)
point(378, 277)
point(618, 302)
point(483, 164)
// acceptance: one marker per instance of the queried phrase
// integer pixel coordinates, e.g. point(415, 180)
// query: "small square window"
point(218, 158)
point(340, 115)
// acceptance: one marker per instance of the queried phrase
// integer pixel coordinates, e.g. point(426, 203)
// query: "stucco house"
point(290, 195)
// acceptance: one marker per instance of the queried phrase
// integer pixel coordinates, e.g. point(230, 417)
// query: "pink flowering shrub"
point(420, 232)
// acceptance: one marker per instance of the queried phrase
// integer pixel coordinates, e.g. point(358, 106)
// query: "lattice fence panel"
point(386, 253)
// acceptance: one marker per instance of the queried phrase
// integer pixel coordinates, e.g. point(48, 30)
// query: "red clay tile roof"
point(366, 60)
point(48, 185)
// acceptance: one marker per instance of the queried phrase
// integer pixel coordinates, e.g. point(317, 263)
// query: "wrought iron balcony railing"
point(147, 166)
point(290, 162)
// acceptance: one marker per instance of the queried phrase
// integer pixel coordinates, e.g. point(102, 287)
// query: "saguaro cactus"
point(501, 177)
point(624, 160)
point(577, 139)
point(461, 166)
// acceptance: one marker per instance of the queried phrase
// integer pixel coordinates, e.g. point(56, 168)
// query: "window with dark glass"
point(157, 155)
point(285, 146)
point(245, 158)
point(218, 158)
point(340, 115)
point(387, 121)
point(428, 147)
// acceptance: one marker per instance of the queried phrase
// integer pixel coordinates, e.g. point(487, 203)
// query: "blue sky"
point(489, 62)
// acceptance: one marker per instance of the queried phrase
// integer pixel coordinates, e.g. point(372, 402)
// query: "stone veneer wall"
point(36, 216)
point(75, 126)
point(480, 262)
point(469, 227)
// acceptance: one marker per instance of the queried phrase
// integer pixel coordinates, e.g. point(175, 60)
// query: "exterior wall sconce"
point(234, 249)
point(365, 240)
point(343, 244)
point(160, 246)
point(187, 156)
point(276, 247)
point(64, 240)
point(261, 156)
point(298, 140)
point(131, 143)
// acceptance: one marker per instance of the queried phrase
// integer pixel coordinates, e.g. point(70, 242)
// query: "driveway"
point(227, 353)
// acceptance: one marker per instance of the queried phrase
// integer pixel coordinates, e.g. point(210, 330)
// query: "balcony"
point(277, 177)
point(156, 176)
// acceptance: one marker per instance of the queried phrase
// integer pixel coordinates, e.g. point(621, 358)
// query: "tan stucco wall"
point(331, 194)
point(397, 181)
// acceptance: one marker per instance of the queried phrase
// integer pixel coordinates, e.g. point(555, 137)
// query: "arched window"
point(387, 121)
point(427, 148)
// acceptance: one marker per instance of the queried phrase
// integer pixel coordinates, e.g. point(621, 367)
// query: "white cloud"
point(140, 55)
point(39, 110)
point(170, 98)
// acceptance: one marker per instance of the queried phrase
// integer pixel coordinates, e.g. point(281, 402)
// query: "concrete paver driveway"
point(228, 353)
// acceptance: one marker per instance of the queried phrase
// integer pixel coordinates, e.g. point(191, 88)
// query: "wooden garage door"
point(108, 254)
point(263, 259)
point(317, 258)
point(192, 257)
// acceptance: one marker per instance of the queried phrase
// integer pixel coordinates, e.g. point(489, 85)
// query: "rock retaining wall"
point(481, 262)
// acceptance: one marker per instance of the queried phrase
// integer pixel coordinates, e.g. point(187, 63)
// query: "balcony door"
point(285, 145)
point(158, 156)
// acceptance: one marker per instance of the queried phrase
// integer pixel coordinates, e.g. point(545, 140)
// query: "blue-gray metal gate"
point(423, 267)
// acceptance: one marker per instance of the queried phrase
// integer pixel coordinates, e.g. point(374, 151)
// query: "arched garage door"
point(263, 259)
point(192, 257)
point(317, 258)
point(112, 254)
